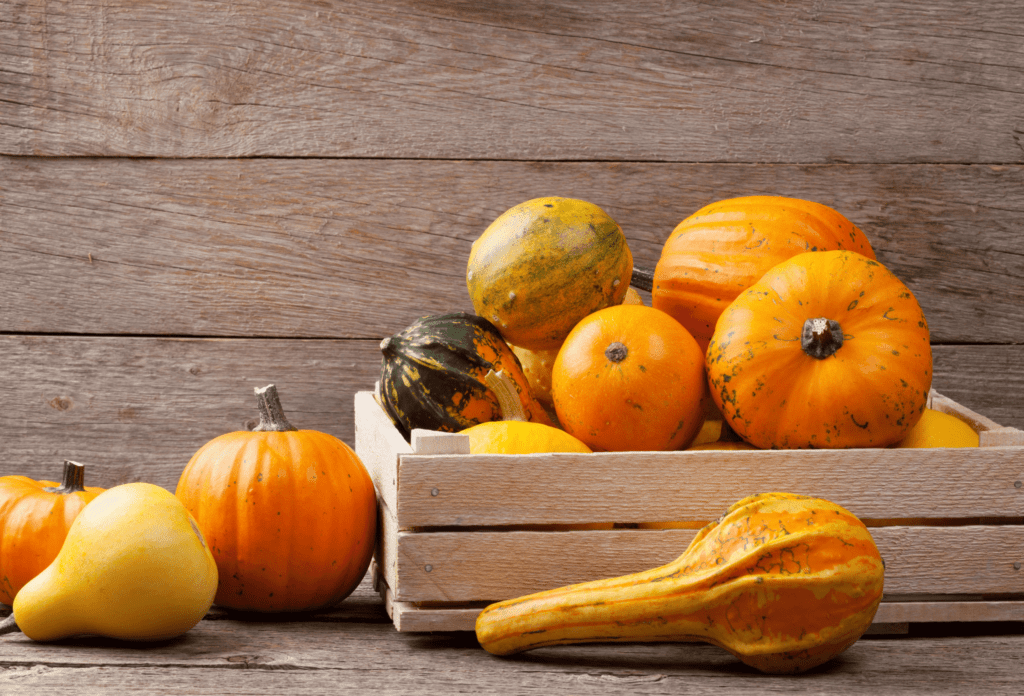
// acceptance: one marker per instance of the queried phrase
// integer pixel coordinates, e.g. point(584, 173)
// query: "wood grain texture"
point(473, 566)
point(797, 82)
point(361, 248)
point(873, 484)
point(138, 408)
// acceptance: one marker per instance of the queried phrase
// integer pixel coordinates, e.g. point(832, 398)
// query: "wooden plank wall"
point(197, 198)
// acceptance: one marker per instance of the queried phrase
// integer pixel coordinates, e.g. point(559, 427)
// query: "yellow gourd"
point(134, 566)
point(514, 434)
point(782, 581)
point(938, 429)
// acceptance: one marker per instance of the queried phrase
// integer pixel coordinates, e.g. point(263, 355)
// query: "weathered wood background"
point(198, 198)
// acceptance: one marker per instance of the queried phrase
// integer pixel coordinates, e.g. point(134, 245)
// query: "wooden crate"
point(459, 531)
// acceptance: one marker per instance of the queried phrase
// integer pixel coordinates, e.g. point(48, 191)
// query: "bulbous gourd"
point(432, 374)
point(938, 429)
point(784, 582)
point(543, 265)
point(134, 566)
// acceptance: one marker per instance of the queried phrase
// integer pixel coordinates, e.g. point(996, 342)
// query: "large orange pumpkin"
point(725, 247)
point(629, 377)
point(828, 349)
point(34, 519)
point(290, 515)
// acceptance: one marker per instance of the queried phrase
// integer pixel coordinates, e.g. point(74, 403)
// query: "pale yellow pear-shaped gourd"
point(134, 566)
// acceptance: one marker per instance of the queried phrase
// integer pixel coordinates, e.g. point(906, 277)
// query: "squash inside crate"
point(460, 531)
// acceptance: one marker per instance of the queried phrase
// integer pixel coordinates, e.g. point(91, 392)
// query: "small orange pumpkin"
point(34, 519)
point(725, 247)
point(629, 377)
point(290, 515)
point(829, 349)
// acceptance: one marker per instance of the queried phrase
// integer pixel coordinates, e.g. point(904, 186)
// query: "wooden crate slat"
point(489, 566)
point(486, 490)
point(760, 82)
point(297, 248)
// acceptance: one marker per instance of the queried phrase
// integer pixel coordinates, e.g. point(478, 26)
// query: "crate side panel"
point(378, 445)
point(482, 490)
point(476, 566)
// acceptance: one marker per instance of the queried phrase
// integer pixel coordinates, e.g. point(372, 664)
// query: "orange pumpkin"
point(290, 515)
point(34, 519)
point(629, 377)
point(829, 349)
point(725, 247)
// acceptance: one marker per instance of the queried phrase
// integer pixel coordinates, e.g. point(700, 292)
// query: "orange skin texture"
point(869, 393)
point(543, 265)
point(725, 247)
point(33, 525)
point(649, 400)
point(290, 517)
point(782, 581)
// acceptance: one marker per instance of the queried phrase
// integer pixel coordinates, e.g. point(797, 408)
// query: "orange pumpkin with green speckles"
point(828, 350)
point(433, 374)
point(725, 247)
point(543, 265)
point(782, 581)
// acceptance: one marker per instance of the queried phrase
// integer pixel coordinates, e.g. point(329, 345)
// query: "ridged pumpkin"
point(543, 265)
point(828, 350)
point(629, 377)
point(784, 582)
point(289, 515)
point(34, 519)
point(513, 434)
point(433, 374)
point(725, 247)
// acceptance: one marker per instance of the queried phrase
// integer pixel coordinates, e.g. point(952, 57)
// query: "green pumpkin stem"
point(8, 625)
point(504, 390)
point(73, 480)
point(821, 337)
point(271, 414)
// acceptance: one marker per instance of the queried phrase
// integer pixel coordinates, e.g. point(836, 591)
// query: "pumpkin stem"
point(8, 625)
point(73, 480)
point(821, 337)
point(271, 414)
point(616, 352)
point(508, 398)
point(642, 279)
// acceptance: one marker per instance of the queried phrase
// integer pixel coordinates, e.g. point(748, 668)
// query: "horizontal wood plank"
point(734, 81)
point(361, 248)
point(138, 408)
point(473, 566)
point(874, 484)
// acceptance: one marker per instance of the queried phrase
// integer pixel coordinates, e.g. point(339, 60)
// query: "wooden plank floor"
point(202, 197)
point(353, 649)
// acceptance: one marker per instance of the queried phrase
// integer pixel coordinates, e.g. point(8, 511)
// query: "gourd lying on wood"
point(34, 519)
point(432, 374)
point(938, 429)
point(725, 247)
point(291, 515)
point(828, 349)
point(543, 265)
point(513, 434)
point(782, 581)
point(134, 566)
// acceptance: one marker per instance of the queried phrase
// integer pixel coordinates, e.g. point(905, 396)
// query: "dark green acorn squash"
point(433, 374)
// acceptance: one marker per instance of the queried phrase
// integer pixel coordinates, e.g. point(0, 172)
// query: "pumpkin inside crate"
point(450, 522)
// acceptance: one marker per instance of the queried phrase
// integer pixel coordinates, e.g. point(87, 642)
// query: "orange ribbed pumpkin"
point(782, 581)
point(725, 247)
point(34, 519)
point(829, 349)
point(290, 515)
